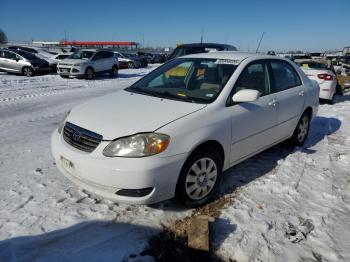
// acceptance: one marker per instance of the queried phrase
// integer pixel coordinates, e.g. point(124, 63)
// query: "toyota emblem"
point(76, 136)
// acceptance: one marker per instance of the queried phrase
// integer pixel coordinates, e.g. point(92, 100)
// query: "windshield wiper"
point(143, 91)
point(177, 97)
point(167, 94)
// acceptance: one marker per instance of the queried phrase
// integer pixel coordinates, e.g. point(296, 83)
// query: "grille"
point(81, 138)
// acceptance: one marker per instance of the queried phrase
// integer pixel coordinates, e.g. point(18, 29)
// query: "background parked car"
point(127, 62)
point(58, 58)
point(324, 75)
point(39, 52)
point(196, 48)
point(141, 61)
point(22, 62)
point(87, 63)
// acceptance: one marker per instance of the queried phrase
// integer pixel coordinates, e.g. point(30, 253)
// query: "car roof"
point(208, 45)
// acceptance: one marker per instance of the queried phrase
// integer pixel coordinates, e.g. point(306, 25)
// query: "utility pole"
point(260, 42)
point(202, 35)
point(143, 41)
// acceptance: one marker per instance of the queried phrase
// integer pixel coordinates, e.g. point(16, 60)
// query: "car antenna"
point(262, 36)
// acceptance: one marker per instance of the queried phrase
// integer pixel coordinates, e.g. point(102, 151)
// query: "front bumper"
point(70, 71)
point(104, 176)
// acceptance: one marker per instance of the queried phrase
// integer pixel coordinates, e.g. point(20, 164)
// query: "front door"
point(253, 123)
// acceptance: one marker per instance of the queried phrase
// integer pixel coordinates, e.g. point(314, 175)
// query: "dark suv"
point(196, 48)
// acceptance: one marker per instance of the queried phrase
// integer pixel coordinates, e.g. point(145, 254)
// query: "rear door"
point(98, 62)
point(253, 123)
point(290, 95)
point(108, 58)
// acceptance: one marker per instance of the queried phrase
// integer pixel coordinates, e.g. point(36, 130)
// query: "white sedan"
point(173, 132)
point(323, 75)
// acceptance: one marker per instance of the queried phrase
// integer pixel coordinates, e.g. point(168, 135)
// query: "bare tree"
point(3, 37)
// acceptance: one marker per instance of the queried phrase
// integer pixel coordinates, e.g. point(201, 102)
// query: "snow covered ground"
point(288, 205)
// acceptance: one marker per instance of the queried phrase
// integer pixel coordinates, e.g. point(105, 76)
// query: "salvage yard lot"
point(281, 205)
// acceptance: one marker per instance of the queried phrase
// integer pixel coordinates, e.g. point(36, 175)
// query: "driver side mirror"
point(246, 95)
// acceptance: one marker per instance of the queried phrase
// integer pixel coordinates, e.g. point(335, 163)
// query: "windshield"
point(195, 80)
point(26, 55)
point(82, 54)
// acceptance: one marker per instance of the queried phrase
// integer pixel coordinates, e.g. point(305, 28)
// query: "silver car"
point(22, 62)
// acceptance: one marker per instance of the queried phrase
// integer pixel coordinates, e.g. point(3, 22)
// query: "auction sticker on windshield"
point(227, 62)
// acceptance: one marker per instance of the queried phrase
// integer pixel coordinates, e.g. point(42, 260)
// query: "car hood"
point(123, 113)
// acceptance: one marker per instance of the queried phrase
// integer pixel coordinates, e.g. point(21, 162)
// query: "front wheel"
point(301, 131)
point(89, 73)
point(28, 71)
point(199, 178)
point(131, 65)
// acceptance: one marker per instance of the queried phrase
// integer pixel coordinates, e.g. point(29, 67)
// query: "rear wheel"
point(199, 178)
point(28, 71)
point(131, 65)
point(114, 72)
point(301, 131)
point(89, 73)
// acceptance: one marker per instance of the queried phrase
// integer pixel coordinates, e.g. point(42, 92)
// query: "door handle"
point(301, 93)
point(273, 102)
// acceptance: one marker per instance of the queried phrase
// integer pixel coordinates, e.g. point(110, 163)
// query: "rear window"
point(312, 65)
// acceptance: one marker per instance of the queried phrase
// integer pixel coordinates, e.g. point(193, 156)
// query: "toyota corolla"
point(173, 134)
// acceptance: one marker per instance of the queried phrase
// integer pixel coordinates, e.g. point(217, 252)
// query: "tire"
point(131, 65)
point(114, 72)
point(28, 71)
point(301, 131)
point(199, 178)
point(64, 76)
point(89, 73)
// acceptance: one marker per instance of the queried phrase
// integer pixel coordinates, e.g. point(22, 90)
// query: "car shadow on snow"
point(342, 98)
point(265, 162)
point(87, 241)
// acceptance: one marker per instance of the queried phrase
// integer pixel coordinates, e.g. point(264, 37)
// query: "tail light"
point(325, 76)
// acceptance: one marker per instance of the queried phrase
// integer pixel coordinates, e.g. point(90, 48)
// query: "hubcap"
point(201, 178)
point(302, 129)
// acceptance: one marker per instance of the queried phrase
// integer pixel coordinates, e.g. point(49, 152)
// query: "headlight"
point(61, 125)
point(139, 145)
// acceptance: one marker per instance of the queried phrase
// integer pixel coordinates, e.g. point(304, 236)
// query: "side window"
point(2, 54)
point(98, 56)
point(10, 55)
point(254, 76)
point(107, 54)
point(284, 76)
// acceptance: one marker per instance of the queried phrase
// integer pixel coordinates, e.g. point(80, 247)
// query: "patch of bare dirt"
point(172, 244)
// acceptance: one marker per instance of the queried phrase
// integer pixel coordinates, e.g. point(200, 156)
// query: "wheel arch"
point(209, 144)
